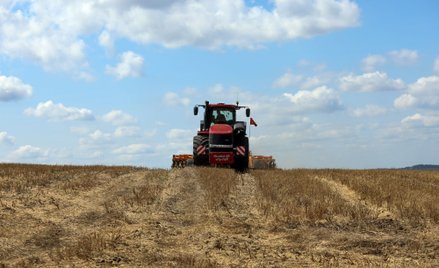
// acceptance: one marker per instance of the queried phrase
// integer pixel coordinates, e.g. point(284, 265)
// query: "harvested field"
point(97, 216)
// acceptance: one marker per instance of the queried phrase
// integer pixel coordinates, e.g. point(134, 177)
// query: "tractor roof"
point(223, 105)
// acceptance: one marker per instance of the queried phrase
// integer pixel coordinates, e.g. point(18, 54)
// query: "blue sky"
point(350, 84)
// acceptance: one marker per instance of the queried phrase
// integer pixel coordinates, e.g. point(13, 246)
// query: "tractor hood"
point(221, 129)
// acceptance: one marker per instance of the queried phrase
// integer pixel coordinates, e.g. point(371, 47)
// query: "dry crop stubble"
point(412, 195)
point(216, 184)
point(297, 197)
point(205, 217)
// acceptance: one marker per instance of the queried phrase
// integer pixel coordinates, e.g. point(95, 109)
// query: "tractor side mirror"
point(195, 110)
point(247, 112)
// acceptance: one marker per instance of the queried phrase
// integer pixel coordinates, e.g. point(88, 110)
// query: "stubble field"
point(94, 216)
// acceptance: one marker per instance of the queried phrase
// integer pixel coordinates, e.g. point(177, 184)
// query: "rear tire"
point(201, 160)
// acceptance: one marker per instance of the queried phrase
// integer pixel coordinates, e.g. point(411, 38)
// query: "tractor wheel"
point(203, 159)
point(241, 162)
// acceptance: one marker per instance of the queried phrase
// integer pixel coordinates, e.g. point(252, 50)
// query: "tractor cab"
point(219, 113)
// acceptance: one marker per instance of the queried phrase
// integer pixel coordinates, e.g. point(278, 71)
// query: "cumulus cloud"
point(133, 149)
point(405, 101)
point(106, 40)
point(173, 99)
point(421, 120)
point(301, 81)
point(424, 93)
point(56, 28)
point(399, 57)
point(130, 65)
point(6, 138)
point(118, 117)
point(179, 133)
point(368, 82)
point(12, 88)
point(29, 152)
point(95, 139)
point(321, 99)
point(86, 76)
point(404, 56)
point(126, 131)
point(217, 90)
point(287, 79)
point(214, 24)
point(369, 110)
point(59, 112)
point(54, 44)
point(100, 136)
point(425, 86)
point(370, 62)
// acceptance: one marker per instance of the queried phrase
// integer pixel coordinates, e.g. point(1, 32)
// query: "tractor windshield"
point(223, 116)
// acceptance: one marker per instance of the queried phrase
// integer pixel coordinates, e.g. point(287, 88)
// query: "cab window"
point(222, 116)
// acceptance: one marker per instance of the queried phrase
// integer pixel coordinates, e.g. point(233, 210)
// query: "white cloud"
point(150, 133)
point(29, 152)
point(118, 117)
point(399, 57)
point(173, 99)
point(404, 56)
point(80, 130)
point(95, 139)
point(130, 65)
point(313, 81)
point(321, 99)
point(369, 110)
point(59, 112)
point(106, 40)
point(217, 90)
point(214, 24)
point(133, 149)
point(179, 134)
point(287, 79)
point(126, 131)
point(6, 138)
point(56, 28)
point(368, 82)
point(424, 93)
point(301, 81)
point(370, 62)
point(425, 86)
point(12, 88)
point(38, 34)
point(99, 136)
point(436, 65)
point(85, 76)
point(405, 101)
point(421, 120)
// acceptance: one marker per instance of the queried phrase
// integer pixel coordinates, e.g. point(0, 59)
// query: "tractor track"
point(354, 199)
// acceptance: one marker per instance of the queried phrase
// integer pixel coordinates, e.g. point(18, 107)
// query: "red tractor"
point(221, 139)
